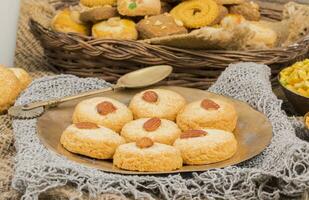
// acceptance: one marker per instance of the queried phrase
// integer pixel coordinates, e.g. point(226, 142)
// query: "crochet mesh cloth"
point(282, 168)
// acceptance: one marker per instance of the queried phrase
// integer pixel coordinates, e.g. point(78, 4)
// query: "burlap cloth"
point(29, 56)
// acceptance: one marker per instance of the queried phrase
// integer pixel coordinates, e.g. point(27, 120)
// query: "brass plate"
point(253, 132)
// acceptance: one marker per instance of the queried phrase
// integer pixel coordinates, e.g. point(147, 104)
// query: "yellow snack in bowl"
point(296, 78)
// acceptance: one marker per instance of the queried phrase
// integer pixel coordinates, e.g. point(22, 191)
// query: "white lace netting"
point(282, 169)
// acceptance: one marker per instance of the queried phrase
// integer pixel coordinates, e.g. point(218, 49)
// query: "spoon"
point(136, 79)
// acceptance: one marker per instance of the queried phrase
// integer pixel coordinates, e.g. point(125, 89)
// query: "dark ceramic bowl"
point(300, 103)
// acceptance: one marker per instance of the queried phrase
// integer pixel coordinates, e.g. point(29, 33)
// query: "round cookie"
point(206, 146)
point(159, 103)
point(159, 26)
point(159, 130)
point(208, 113)
point(146, 156)
point(103, 111)
point(196, 13)
point(115, 28)
point(91, 140)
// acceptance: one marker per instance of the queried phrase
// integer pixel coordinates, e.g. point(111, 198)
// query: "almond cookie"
point(208, 113)
point(115, 28)
point(159, 103)
point(159, 130)
point(139, 7)
point(147, 156)
point(196, 13)
point(65, 22)
point(98, 14)
point(159, 26)
point(103, 111)
point(91, 140)
point(200, 147)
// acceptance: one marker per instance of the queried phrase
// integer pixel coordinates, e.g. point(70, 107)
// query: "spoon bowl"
point(144, 77)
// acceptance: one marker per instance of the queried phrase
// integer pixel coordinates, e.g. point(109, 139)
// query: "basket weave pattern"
point(109, 59)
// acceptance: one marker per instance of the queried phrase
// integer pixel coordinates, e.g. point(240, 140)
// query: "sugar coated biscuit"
point(206, 146)
point(91, 140)
point(146, 156)
point(159, 130)
point(208, 113)
point(104, 111)
point(159, 103)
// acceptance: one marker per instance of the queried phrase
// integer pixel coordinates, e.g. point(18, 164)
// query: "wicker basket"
point(109, 59)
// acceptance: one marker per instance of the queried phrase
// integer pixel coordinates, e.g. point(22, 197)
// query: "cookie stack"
point(158, 131)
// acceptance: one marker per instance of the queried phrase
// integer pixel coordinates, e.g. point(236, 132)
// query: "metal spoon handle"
point(57, 101)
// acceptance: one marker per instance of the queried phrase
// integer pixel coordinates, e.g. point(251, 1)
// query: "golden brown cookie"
point(147, 156)
point(91, 140)
point(196, 13)
point(159, 26)
point(98, 14)
point(65, 22)
point(208, 113)
point(139, 7)
point(159, 103)
point(159, 130)
point(10, 88)
point(103, 111)
point(95, 3)
point(115, 28)
point(23, 77)
point(206, 146)
point(249, 10)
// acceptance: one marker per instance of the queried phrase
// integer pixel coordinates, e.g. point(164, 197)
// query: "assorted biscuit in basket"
point(165, 134)
point(198, 24)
